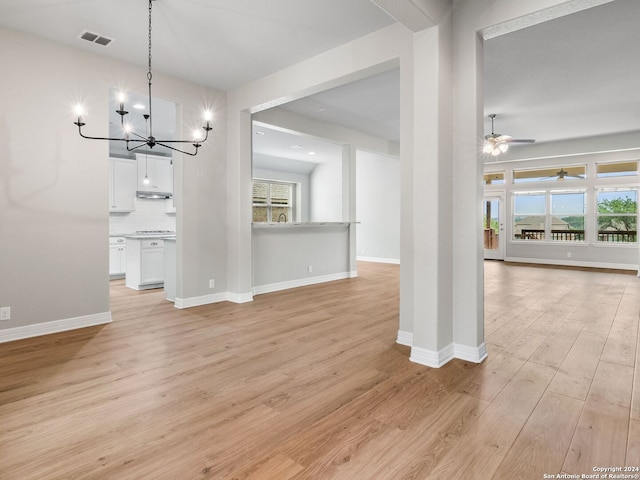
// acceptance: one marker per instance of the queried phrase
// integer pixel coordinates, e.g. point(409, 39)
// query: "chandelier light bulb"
point(145, 180)
point(208, 115)
point(196, 135)
point(488, 148)
point(495, 152)
point(503, 147)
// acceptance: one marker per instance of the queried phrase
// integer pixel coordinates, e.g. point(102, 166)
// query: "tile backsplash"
point(150, 214)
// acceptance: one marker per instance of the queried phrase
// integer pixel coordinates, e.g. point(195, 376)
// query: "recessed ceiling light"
point(259, 132)
point(296, 146)
point(139, 106)
point(312, 153)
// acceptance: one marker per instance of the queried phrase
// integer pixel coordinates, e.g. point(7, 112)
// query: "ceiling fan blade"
point(520, 140)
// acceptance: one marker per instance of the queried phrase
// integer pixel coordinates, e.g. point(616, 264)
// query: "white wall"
point(54, 218)
point(378, 207)
point(283, 255)
point(325, 192)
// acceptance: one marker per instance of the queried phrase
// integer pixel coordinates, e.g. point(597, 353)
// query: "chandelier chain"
point(149, 72)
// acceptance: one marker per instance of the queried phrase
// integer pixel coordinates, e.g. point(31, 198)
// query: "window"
point(555, 216)
point(272, 201)
point(620, 169)
point(576, 172)
point(529, 216)
point(567, 216)
point(496, 178)
point(617, 215)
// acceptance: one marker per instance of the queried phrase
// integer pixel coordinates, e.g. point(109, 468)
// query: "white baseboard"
point(302, 282)
point(572, 263)
point(395, 261)
point(54, 326)
point(405, 338)
point(470, 354)
point(213, 298)
point(437, 359)
point(432, 358)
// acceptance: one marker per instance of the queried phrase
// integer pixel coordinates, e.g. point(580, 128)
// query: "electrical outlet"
point(568, 254)
point(212, 283)
point(5, 313)
point(310, 268)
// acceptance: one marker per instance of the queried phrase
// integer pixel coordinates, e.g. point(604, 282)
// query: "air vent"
point(95, 38)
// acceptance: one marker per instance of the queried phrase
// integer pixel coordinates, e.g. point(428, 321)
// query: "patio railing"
point(629, 236)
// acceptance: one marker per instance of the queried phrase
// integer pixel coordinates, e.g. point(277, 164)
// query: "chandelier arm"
point(108, 138)
point(178, 150)
point(142, 139)
point(137, 147)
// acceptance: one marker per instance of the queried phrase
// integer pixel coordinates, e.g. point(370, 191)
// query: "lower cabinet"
point(117, 257)
point(145, 263)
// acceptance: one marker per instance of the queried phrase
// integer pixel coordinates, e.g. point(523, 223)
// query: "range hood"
point(161, 195)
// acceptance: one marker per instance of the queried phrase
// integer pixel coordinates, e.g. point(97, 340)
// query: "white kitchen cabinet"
point(145, 263)
point(122, 185)
point(117, 257)
point(159, 172)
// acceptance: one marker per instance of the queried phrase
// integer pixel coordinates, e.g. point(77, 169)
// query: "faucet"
point(282, 215)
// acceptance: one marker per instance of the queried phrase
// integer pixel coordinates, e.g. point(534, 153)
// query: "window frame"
point(547, 234)
point(269, 205)
point(598, 215)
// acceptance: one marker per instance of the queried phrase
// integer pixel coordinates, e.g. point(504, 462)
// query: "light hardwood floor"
point(310, 384)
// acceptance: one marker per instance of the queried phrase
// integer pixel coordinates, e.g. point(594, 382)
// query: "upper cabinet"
point(155, 174)
point(122, 185)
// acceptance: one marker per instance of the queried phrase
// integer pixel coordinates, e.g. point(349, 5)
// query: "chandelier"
point(135, 141)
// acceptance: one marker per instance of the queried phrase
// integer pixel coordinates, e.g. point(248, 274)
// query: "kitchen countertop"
point(301, 224)
point(144, 236)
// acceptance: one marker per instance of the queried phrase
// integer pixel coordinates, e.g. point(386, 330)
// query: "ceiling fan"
point(562, 174)
point(497, 143)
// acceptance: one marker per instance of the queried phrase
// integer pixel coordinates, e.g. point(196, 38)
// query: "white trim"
point(395, 261)
point(213, 298)
point(437, 359)
point(302, 282)
point(404, 338)
point(431, 358)
point(470, 354)
point(54, 326)
point(573, 263)
point(240, 297)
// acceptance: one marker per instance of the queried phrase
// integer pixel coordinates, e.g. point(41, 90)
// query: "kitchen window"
point(272, 201)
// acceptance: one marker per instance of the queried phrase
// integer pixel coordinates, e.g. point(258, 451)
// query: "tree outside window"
point(617, 216)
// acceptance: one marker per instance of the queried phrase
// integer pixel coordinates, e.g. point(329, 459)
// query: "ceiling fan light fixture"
point(497, 143)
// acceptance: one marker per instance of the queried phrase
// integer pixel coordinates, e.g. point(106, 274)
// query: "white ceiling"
point(571, 77)
point(218, 43)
